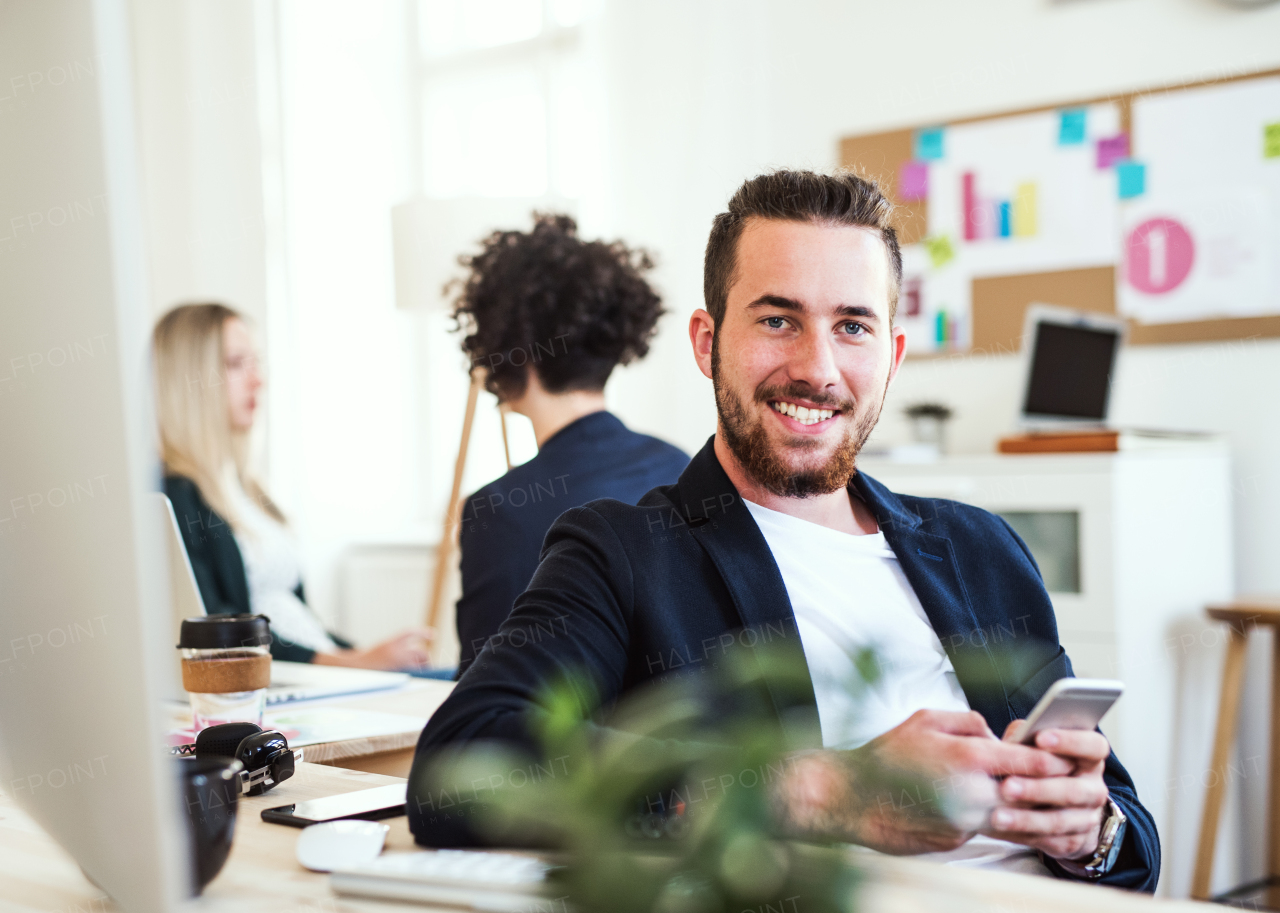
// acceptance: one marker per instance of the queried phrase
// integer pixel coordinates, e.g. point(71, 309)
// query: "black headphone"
point(265, 754)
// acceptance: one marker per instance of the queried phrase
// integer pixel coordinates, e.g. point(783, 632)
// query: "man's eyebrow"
point(857, 310)
point(783, 303)
point(777, 301)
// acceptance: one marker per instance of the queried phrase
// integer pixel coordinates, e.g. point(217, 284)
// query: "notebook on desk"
point(307, 681)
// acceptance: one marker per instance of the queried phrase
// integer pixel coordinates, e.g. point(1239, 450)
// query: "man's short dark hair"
point(842, 198)
point(571, 310)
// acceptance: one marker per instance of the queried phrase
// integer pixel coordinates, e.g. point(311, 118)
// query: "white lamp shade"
point(428, 235)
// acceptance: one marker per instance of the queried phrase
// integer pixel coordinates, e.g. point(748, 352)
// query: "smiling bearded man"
point(772, 528)
point(813, 450)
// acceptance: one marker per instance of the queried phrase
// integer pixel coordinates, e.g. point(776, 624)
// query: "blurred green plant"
point(665, 805)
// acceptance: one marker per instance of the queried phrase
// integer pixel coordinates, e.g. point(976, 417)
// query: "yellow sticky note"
point(1023, 209)
point(1271, 141)
point(940, 250)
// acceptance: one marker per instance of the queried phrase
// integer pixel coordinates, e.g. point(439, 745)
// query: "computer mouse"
point(338, 844)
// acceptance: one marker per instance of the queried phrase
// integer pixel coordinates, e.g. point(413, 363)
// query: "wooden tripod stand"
point(453, 515)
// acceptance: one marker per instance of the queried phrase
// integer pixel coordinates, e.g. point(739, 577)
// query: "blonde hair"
point(196, 437)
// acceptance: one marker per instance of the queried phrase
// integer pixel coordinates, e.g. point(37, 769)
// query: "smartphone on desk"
point(1072, 703)
point(366, 804)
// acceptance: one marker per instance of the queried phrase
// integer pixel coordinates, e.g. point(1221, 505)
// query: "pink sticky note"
point(1112, 149)
point(913, 182)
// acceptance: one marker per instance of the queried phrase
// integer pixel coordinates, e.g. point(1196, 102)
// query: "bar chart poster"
point(1019, 199)
point(1009, 195)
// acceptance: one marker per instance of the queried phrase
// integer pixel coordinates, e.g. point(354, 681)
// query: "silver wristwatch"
point(1104, 857)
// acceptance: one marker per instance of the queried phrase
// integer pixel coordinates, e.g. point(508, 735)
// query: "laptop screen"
point(1070, 372)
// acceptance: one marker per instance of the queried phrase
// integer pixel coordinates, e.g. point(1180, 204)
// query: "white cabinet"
point(1152, 547)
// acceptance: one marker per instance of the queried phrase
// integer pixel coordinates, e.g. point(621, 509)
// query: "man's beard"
point(745, 435)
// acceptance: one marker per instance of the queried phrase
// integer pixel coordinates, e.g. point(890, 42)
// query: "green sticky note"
point(940, 250)
point(1271, 141)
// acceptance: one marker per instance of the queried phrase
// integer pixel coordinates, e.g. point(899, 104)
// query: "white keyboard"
point(494, 882)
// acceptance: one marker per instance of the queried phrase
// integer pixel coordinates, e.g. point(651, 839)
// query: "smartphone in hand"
point(1071, 703)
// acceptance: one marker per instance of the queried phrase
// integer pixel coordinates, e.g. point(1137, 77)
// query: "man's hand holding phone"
point(933, 781)
point(1058, 815)
point(927, 785)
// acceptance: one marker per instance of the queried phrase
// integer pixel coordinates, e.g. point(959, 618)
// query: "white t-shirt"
point(274, 570)
point(848, 593)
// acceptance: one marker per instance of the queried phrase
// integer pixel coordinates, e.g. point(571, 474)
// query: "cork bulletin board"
point(1162, 206)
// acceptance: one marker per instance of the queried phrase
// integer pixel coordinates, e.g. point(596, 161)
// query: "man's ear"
point(899, 343)
point(702, 333)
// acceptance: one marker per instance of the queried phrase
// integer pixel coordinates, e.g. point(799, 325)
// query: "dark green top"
point(218, 566)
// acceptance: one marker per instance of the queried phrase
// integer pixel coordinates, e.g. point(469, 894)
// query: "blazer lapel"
point(930, 565)
point(725, 529)
point(721, 523)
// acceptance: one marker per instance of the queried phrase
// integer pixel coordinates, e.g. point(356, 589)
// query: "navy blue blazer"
point(631, 594)
point(504, 523)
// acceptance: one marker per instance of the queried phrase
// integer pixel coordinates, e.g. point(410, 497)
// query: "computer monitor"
point(1069, 359)
point(84, 622)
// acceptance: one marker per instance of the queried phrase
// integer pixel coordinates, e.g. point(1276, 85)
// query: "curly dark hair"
point(570, 309)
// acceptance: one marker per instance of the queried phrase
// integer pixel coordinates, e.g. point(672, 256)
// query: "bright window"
point(503, 111)
point(454, 25)
point(486, 134)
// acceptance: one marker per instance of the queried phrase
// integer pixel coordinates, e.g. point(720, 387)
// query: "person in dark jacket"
point(549, 317)
point(243, 555)
point(773, 532)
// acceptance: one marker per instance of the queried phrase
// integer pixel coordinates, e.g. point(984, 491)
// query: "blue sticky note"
point(1071, 126)
point(929, 144)
point(1131, 179)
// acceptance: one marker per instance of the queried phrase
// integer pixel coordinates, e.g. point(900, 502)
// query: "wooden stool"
point(1242, 615)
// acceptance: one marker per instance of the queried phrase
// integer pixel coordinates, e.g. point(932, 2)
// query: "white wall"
point(197, 98)
point(703, 95)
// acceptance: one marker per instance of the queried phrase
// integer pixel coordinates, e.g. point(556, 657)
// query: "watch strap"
point(1104, 857)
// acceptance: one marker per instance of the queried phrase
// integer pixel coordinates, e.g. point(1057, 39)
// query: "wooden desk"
point(386, 754)
point(389, 753)
point(263, 874)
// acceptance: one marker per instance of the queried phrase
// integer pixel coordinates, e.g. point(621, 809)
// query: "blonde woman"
point(242, 552)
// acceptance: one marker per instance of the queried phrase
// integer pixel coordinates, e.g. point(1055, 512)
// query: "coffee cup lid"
point(225, 632)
